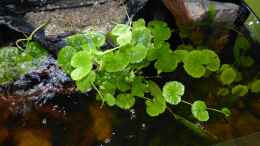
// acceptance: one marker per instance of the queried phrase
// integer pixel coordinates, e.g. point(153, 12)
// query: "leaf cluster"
point(15, 62)
point(116, 73)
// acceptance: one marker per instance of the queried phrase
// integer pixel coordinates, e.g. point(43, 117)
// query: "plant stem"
point(195, 128)
point(110, 50)
point(211, 109)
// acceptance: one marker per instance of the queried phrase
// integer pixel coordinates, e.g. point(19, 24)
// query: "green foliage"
point(226, 112)
point(255, 86)
point(228, 74)
point(116, 73)
point(115, 61)
point(240, 90)
point(160, 30)
point(82, 62)
point(123, 34)
point(173, 91)
point(15, 63)
point(199, 111)
point(125, 101)
point(197, 62)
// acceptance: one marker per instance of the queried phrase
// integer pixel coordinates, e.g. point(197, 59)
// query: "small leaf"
point(255, 86)
point(80, 42)
point(137, 53)
point(114, 62)
point(155, 107)
point(172, 92)
point(167, 61)
point(228, 76)
point(125, 101)
point(223, 91)
point(64, 57)
point(109, 99)
point(199, 111)
point(82, 61)
point(123, 33)
point(240, 90)
point(226, 112)
point(98, 38)
point(85, 84)
point(212, 61)
point(138, 87)
point(160, 30)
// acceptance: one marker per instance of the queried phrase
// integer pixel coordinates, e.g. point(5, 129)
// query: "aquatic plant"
point(116, 74)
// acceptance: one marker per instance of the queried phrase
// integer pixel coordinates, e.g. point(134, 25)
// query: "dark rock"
point(37, 88)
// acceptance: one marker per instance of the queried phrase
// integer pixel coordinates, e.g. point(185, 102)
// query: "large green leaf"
point(114, 62)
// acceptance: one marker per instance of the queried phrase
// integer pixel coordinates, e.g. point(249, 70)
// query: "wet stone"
point(99, 15)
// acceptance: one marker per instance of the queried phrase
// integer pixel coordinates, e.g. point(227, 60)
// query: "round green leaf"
point(82, 61)
point(173, 91)
point(197, 61)
point(240, 90)
point(109, 99)
point(114, 62)
point(155, 107)
point(137, 53)
point(167, 61)
point(98, 38)
point(64, 57)
point(199, 111)
point(227, 76)
point(125, 101)
point(85, 84)
point(123, 33)
point(212, 60)
point(255, 86)
point(226, 112)
point(160, 30)
point(193, 64)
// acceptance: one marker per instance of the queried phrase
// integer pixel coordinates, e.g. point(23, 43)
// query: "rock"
point(74, 16)
point(186, 11)
point(37, 88)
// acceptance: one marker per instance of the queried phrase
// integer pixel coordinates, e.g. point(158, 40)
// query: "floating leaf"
point(160, 30)
point(199, 111)
point(82, 61)
point(114, 62)
point(226, 112)
point(173, 91)
point(240, 90)
point(125, 101)
point(65, 54)
point(85, 84)
point(255, 86)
